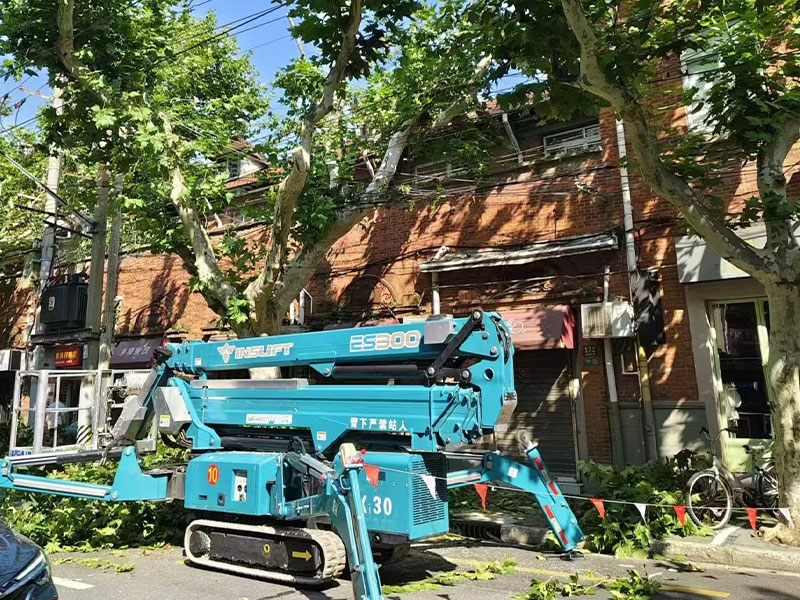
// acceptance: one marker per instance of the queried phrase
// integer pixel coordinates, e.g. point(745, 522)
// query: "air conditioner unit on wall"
point(607, 319)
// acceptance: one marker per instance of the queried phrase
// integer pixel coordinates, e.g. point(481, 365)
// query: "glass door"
point(739, 331)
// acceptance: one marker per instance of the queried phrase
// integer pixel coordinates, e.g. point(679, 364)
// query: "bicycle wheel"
point(768, 488)
point(709, 500)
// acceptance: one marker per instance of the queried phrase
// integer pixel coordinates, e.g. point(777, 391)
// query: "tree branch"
point(65, 42)
point(305, 263)
point(661, 179)
point(772, 189)
point(593, 78)
point(459, 106)
point(289, 190)
point(201, 261)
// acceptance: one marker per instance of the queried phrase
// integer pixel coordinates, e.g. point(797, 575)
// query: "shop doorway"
point(544, 410)
point(740, 337)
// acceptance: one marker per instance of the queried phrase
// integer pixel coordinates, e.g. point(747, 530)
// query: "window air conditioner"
point(607, 319)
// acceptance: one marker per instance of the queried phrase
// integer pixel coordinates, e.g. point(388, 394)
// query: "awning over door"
point(134, 354)
point(541, 328)
point(447, 260)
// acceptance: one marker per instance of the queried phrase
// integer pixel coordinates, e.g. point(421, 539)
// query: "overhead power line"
point(88, 222)
point(224, 33)
point(231, 27)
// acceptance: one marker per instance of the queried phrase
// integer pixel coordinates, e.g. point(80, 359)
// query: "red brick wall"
point(156, 298)
point(16, 304)
point(595, 404)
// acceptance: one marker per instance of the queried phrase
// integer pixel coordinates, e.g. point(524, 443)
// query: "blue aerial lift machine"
point(296, 478)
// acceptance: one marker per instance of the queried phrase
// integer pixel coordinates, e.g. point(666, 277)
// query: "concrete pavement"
point(734, 546)
point(162, 575)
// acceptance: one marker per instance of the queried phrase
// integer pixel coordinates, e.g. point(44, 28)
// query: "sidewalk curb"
point(510, 530)
point(778, 558)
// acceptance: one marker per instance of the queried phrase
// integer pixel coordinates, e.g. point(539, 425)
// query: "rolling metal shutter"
point(544, 408)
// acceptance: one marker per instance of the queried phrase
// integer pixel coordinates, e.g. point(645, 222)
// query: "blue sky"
point(272, 46)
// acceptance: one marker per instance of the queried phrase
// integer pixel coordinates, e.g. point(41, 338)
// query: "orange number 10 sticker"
point(213, 474)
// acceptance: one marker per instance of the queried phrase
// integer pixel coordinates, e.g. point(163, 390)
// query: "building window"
point(233, 164)
point(572, 141)
point(696, 67)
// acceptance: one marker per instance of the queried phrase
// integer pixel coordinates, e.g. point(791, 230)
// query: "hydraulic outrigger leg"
point(535, 479)
point(347, 518)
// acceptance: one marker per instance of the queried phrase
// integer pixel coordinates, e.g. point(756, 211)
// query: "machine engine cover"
point(403, 503)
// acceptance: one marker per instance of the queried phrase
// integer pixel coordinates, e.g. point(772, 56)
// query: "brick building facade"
point(539, 236)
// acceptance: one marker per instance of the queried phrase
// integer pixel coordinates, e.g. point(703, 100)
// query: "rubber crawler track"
point(330, 544)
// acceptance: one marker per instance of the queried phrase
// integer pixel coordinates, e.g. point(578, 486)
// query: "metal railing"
point(45, 420)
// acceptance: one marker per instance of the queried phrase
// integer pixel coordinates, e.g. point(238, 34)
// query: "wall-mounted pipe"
point(617, 443)
point(651, 442)
point(436, 301)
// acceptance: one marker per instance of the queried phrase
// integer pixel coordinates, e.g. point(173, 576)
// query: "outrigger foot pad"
point(571, 555)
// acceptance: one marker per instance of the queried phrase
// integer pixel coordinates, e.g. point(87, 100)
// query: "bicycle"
point(711, 493)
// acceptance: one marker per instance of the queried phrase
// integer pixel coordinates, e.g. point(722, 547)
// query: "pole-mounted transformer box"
point(64, 305)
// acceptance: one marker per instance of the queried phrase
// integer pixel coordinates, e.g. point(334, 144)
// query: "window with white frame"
point(572, 141)
point(697, 68)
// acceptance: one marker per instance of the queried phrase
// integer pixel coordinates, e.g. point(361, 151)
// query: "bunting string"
point(680, 510)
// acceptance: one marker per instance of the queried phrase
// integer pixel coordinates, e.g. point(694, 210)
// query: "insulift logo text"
point(256, 351)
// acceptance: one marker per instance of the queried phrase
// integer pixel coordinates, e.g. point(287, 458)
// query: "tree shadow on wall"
point(168, 298)
point(380, 260)
point(14, 304)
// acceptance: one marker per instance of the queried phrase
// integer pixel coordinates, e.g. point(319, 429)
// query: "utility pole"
point(48, 249)
point(94, 302)
point(109, 304)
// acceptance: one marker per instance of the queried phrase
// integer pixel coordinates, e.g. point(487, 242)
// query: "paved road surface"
point(162, 575)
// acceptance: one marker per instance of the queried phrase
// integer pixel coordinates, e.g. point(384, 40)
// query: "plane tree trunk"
point(783, 374)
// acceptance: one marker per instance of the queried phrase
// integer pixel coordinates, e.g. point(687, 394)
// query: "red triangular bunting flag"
point(372, 472)
point(752, 516)
point(430, 482)
point(680, 511)
point(642, 508)
point(482, 490)
point(787, 516)
point(601, 508)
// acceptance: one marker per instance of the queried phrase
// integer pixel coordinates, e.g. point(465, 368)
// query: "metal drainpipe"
point(617, 443)
point(436, 306)
point(436, 300)
point(651, 443)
